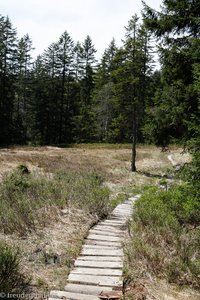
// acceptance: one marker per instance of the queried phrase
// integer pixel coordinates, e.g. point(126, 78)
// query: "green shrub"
point(185, 205)
point(165, 237)
point(12, 280)
point(151, 209)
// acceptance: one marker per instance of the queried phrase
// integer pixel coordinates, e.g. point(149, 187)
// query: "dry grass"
point(156, 289)
point(49, 254)
point(113, 164)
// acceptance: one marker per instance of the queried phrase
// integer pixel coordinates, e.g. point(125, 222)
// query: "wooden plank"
point(99, 258)
point(86, 289)
point(104, 232)
point(100, 247)
point(114, 223)
point(107, 228)
point(124, 206)
point(99, 264)
point(121, 212)
point(103, 243)
point(71, 296)
point(116, 219)
point(102, 252)
point(104, 238)
point(97, 271)
point(109, 220)
point(111, 281)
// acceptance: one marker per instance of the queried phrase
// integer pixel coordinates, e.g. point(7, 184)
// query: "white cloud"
point(46, 20)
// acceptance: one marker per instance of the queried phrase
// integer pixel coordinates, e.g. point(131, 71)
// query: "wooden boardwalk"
point(97, 272)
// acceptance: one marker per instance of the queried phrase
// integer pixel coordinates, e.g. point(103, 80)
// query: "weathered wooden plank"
point(103, 243)
point(99, 264)
point(71, 296)
point(97, 271)
point(105, 232)
point(100, 247)
point(121, 212)
point(104, 238)
point(102, 252)
point(86, 289)
point(99, 258)
point(112, 281)
point(113, 223)
point(109, 220)
point(116, 219)
point(107, 228)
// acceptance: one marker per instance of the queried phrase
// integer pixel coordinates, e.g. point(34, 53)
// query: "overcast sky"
point(46, 20)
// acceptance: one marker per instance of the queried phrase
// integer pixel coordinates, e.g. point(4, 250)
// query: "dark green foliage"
point(176, 99)
point(7, 71)
point(61, 98)
point(177, 17)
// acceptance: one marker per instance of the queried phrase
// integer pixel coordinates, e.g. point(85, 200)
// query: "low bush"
point(165, 236)
point(12, 280)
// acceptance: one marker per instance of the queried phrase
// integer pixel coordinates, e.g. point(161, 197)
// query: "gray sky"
point(46, 20)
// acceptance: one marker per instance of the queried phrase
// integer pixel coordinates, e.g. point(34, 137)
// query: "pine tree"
point(22, 89)
point(103, 92)
point(177, 29)
point(40, 105)
point(84, 121)
point(133, 67)
point(7, 78)
point(65, 58)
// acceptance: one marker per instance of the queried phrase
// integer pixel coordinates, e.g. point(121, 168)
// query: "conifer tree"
point(84, 121)
point(177, 29)
point(8, 47)
point(133, 67)
point(103, 92)
point(23, 87)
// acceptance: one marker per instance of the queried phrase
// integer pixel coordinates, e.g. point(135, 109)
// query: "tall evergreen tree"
point(130, 83)
point(38, 104)
point(85, 120)
point(65, 63)
point(7, 78)
point(177, 29)
point(23, 85)
point(103, 92)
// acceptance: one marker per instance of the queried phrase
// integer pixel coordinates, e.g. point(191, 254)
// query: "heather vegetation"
point(28, 202)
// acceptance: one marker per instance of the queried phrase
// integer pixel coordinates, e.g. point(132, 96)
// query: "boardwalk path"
point(98, 270)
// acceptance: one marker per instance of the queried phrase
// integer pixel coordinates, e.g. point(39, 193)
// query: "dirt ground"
point(44, 252)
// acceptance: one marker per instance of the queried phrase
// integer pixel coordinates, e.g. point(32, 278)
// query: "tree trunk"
point(134, 137)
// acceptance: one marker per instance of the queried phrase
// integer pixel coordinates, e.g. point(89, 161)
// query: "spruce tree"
point(8, 46)
point(84, 121)
point(133, 66)
point(103, 92)
point(176, 27)
point(23, 86)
